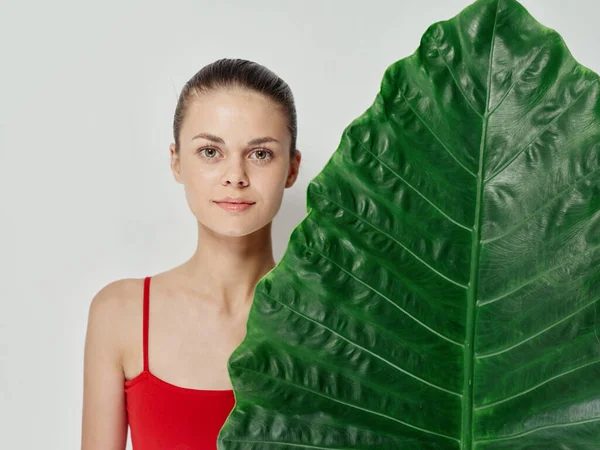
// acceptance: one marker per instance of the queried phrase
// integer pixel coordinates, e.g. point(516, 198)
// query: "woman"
point(157, 347)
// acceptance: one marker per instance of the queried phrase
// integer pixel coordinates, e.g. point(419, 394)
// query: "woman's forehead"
point(234, 115)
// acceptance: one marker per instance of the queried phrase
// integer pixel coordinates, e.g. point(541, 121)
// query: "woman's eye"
point(211, 153)
point(263, 155)
point(207, 150)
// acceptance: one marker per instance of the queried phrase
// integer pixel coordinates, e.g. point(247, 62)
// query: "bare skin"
point(199, 309)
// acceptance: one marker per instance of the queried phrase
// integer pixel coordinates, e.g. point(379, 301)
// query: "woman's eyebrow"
point(255, 141)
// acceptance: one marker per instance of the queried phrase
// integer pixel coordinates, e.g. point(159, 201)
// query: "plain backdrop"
point(87, 96)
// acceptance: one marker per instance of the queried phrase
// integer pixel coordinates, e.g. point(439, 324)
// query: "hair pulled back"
point(235, 73)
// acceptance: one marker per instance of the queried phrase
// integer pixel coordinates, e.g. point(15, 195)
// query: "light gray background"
point(87, 96)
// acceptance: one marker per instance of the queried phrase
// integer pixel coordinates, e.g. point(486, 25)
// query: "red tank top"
point(163, 416)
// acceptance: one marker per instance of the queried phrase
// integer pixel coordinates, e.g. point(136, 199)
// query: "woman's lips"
point(234, 206)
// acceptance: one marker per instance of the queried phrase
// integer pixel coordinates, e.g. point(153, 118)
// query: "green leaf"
point(442, 292)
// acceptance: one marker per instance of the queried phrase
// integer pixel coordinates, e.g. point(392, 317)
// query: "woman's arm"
point(104, 421)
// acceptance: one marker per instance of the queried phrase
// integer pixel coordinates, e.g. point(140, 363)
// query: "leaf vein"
point(533, 430)
point(288, 444)
point(504, 350)
point(456, 222)
point(541, 208)
point(391, 364)
point(516, 155)
point(397, 242)
point(538, 276)
point(518, 77)
point(415, 427)
point(458, 84)
point(435, 135)
point(368, 286)
point(504, 400)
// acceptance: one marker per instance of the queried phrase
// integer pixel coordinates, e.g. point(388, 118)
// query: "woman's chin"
point(240, 230)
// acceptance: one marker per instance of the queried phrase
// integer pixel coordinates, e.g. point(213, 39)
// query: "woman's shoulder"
point(117, 296)
point(113, 310)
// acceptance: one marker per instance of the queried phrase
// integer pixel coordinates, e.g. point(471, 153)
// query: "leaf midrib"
point(466, 436)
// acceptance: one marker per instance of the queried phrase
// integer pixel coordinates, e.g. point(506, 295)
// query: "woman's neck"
point(230, 267)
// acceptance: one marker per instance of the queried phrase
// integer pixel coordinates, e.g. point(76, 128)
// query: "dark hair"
point(226, 73)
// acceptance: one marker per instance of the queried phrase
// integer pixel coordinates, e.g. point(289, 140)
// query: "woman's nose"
point(235, 172)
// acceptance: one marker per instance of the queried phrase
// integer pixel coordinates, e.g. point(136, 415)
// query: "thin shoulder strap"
point(146, 319)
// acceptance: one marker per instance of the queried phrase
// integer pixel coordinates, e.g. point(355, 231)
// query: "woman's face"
point(217, 159)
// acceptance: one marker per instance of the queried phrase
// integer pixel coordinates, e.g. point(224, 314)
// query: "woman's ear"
point(294, 169)
point(175, 163)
